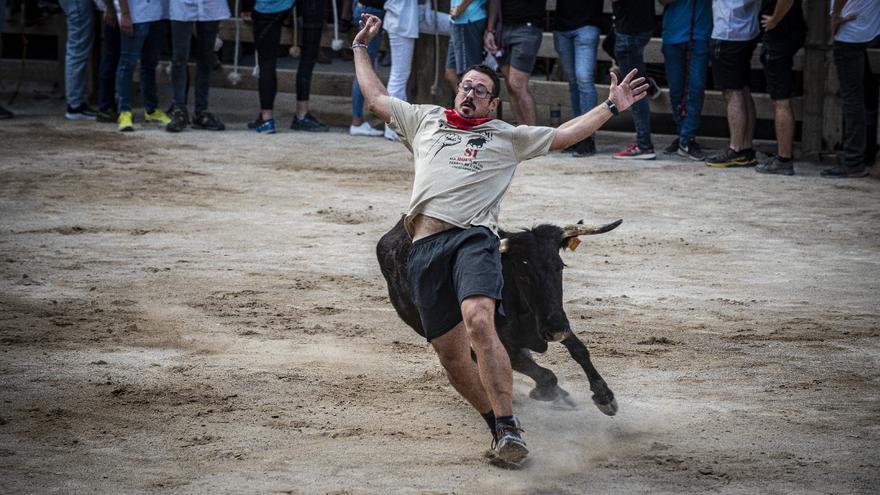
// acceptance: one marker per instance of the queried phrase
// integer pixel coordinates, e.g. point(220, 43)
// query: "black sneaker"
point(692, 151)
point(730, 159)
point(179, 120)
point(672, 148)
point(841, 172)
point(587, 147)
point(5, 114)
point(107, 115)
point(207, 121)
point(82, 112)
point(776, 166)
point(509, 445)
point(308, 124)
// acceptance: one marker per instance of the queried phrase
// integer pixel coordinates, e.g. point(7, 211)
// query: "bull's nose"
point(557, 335)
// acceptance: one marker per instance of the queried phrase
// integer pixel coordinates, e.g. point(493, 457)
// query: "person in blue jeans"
point(465, 50)
point(359, 127)
point(142, 28)
point(80, 36)
point(633, 25)
point(687, 27)
point(110, 40)
point(576, 38)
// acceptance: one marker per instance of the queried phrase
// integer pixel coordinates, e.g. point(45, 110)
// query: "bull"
point(532, 303)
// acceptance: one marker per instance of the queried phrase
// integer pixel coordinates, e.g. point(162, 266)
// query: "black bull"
point(532, 302)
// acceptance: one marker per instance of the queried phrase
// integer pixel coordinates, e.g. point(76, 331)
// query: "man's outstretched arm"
point(622, 95)
point(372, 88)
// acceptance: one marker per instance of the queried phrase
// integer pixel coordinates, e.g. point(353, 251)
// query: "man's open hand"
point(629, 91)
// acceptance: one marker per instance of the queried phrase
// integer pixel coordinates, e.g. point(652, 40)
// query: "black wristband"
point(611, 106)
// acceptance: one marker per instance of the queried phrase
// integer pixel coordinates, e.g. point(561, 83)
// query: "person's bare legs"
point(737, 117)
point(518, 88)
point(783, 121)
point(454, 350)
point(493, 363)
point(751, 114)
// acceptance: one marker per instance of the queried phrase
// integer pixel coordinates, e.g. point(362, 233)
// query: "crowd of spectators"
point(696, 34)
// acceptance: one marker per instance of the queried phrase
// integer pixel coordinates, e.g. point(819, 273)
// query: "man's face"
point(468, 104)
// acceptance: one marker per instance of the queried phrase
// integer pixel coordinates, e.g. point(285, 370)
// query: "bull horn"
point(579, 228)
point(502, 247)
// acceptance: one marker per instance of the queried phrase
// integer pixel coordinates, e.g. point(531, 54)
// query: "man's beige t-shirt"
point(461, 176)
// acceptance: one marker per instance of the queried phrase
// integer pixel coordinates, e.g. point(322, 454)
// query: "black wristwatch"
point(611, 106)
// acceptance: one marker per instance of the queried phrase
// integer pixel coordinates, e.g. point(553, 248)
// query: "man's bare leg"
point(454, 350)
point(751, 114)
point(783, 121)
point(493, 363)
point(737, 117)
point(518, 87)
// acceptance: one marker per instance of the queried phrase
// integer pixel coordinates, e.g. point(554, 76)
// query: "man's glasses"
point(480, 91)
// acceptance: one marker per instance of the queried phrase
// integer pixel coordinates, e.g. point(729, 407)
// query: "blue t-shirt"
point(677, 21)
point(476, 11)
point(272, 6)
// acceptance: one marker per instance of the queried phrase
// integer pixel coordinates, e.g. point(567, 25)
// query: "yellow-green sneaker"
point(124, 121)
point(156, 117)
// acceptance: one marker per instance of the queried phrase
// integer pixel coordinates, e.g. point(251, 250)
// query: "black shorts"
point(731, 63)
point(777, 56)
point(449, 266)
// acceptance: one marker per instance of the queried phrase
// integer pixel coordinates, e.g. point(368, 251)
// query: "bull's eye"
point(525, 262)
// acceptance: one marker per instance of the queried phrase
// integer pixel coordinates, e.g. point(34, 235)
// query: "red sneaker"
point(633, 152)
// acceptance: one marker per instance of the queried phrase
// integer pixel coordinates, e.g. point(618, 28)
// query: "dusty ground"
point(203, 312)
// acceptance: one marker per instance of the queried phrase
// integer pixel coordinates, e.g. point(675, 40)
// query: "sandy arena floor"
point(203, 313)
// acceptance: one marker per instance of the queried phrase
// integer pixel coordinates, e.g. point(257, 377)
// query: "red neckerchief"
point(463, 123)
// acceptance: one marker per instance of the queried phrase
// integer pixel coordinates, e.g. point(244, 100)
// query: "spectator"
point(519, 23)
point(468, 19)
point(855, 24)
point(576, 38)
point(268, 17)
point(142, 28)
point(404, 20)
point(110, 40)
point(633, 26)
point(4, 113)
point(734, 37)
point(687, 25)
point(358, 126)
point(785, 31)
point(206, 15)
point(79, 46)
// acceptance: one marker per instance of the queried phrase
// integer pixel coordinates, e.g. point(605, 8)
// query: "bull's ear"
point(571, 243)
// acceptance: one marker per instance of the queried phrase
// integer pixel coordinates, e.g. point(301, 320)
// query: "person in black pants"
point(267, 37)
point(854, 27)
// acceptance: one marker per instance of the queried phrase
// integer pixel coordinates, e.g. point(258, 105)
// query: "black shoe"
point(179, 120)
point(730, 158)
point(308, 124)
point(107, 115)
point(672, 148)
point(5, 114)
point(82, 112)
point(509, 445)
point(587, 147)
point(841, 172)
point(776, 166)
point(207, 121)
point(692, 151)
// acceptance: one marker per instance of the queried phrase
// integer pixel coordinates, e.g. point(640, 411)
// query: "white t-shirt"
point(199, 10)
point(461, 176)
point(865, 27)
point(735, 20)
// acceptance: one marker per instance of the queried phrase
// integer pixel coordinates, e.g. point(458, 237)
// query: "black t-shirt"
point(523, 11)
point(573, 14)
point(633, 16)
point(793, 24)
point(376, 4)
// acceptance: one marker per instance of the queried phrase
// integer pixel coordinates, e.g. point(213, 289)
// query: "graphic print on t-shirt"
point(468, 158)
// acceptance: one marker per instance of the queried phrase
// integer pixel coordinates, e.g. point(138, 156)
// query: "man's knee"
point(479, 321)
point(518, 82)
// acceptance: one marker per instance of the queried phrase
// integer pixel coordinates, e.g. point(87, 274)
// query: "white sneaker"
point(365, 129)
point(390, 134)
